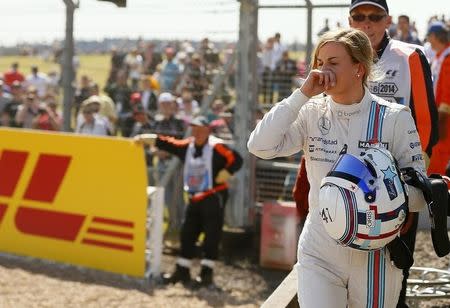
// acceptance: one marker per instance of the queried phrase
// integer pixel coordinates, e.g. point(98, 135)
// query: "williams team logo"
point(324, 125)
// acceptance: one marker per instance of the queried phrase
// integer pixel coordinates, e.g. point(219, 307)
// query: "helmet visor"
point(351, 168)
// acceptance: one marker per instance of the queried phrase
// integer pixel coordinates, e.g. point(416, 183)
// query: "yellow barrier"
point(74, 199)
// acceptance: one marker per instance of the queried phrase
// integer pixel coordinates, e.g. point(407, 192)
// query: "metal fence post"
point(243, 196)
point(67, 67)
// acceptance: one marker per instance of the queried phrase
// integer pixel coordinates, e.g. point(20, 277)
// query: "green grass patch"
point(96, 66)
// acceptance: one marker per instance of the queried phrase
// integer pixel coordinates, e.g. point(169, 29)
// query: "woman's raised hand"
point(318, 82)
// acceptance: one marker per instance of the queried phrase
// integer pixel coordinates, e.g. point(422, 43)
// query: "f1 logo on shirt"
point(47, 177)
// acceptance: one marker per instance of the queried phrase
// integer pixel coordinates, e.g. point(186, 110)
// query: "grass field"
point(95, 66)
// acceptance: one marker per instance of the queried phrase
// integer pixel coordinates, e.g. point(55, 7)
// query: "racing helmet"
point(363, 200)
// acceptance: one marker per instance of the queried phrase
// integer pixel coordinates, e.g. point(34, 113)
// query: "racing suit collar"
point(383, 44)
point(348, 111)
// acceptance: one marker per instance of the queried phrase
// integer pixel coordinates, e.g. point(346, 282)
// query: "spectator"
point(53, 82)
point(188, 108)
point(152, 58)
point(285, 72)
point(92, 123)
point(143, 124)
point(167, 124)
point(107, 107)
point(13, 75)
point(325, 28)
point(149, 86)
point(268, 68)
point(5, 98)
point(29, 110)
point(196, 78)
point(170, 72)
point(5, 119)
point(134, 63)
point(222, 127)
point(404, 32)
point(17, 100)
point(217, 107)
point(208, 164)
point(278, 49)
point(120, 93)
point(82, 92)
point(48, 117)
point(38, 80)
point(438, 36)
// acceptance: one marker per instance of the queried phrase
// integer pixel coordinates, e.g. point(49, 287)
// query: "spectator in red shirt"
point(13, 74)
point(438, 36)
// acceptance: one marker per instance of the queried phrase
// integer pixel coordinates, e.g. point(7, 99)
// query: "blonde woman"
point(330, 275)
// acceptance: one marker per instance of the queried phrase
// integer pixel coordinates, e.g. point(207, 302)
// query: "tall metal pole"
point(243, 197)
point(309, 47)
point(68, 73)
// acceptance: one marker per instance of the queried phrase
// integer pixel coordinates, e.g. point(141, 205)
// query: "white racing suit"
point(330, 275)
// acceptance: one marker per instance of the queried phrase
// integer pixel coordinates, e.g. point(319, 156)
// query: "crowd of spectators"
point(159, 89)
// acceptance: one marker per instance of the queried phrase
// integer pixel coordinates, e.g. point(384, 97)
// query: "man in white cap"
point(168, 125)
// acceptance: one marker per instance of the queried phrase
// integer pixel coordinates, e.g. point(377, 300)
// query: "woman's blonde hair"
point(357, 45)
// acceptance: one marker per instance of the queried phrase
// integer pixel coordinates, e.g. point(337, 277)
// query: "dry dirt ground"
point(26, 282)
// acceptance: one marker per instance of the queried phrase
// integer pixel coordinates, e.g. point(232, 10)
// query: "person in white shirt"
point(38, 80)
point(92, 123)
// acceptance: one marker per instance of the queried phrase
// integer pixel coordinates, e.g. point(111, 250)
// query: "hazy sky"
point(44, 20)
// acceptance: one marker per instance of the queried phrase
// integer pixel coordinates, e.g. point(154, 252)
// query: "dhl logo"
point(47, 177)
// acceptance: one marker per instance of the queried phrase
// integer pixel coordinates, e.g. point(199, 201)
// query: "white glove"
point(145, 139)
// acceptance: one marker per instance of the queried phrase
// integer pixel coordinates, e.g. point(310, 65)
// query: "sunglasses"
point(371, 17)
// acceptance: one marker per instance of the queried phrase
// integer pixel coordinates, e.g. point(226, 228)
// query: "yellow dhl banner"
point(74, 199)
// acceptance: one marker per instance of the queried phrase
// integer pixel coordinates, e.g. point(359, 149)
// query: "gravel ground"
point(29, 282)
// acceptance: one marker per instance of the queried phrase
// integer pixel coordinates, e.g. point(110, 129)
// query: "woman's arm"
point(408, 152)
point(280, 132)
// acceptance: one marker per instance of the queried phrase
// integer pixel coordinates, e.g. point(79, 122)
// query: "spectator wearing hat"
point(102, 109)
point(438, 36)
point(208, 164)
point(13, 74)
point(107, 107)
point(92, 123)
point(167, 124)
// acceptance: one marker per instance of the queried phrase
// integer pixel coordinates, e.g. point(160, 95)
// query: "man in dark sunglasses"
point(406, 80)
